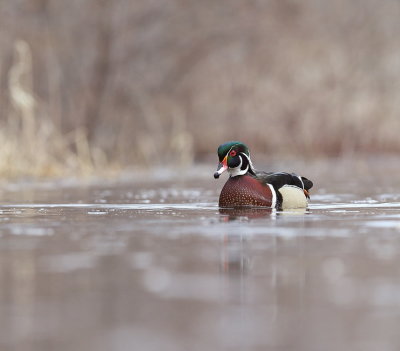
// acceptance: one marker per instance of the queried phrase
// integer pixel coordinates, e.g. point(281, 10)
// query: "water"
point(156, 266)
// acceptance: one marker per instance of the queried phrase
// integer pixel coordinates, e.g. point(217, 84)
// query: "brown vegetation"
point(98, 84)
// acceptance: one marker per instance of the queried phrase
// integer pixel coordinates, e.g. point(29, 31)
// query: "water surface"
point(155, 265)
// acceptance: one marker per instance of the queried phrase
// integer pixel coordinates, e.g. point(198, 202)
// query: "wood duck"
point(248, 187)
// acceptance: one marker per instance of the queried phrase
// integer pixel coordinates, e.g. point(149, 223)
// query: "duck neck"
point(243, 168)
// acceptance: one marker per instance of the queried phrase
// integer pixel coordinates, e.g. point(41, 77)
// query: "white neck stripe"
point(248, 159)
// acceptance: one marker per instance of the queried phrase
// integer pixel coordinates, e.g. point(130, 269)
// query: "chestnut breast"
point(245, 191)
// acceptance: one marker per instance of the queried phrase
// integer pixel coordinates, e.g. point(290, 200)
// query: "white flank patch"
point(273, 205)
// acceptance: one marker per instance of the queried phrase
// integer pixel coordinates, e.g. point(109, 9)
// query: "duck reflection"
point(293, 212)
point(238, 213)
point(246, 213)
point(234, 257)
point(235, 265)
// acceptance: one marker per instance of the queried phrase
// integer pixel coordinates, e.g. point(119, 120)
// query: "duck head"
point(234, 157)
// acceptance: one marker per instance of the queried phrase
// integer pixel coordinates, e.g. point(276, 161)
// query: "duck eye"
point(232, 153)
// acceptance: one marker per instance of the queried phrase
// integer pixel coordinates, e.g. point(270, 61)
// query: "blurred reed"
point(31, 143)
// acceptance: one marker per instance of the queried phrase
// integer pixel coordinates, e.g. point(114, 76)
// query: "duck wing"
point(279, 179)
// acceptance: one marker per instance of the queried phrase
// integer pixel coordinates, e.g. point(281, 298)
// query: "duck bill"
point(222, 167)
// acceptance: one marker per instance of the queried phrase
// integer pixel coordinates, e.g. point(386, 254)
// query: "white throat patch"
point(233, 172)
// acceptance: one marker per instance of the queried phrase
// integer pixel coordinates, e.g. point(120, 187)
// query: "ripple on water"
point(30, 231)
point(362, 204)
point(383, 224)
point(68, 262)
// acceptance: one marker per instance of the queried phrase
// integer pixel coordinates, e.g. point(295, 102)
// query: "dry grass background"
point(94, 85)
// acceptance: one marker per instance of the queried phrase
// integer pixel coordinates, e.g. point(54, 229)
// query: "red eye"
point(232, 153)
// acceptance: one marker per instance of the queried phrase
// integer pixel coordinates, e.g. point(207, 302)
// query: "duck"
point(248, 187)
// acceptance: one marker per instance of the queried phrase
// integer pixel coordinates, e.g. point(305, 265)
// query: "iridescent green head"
point(234, 145)
point(233, 156)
